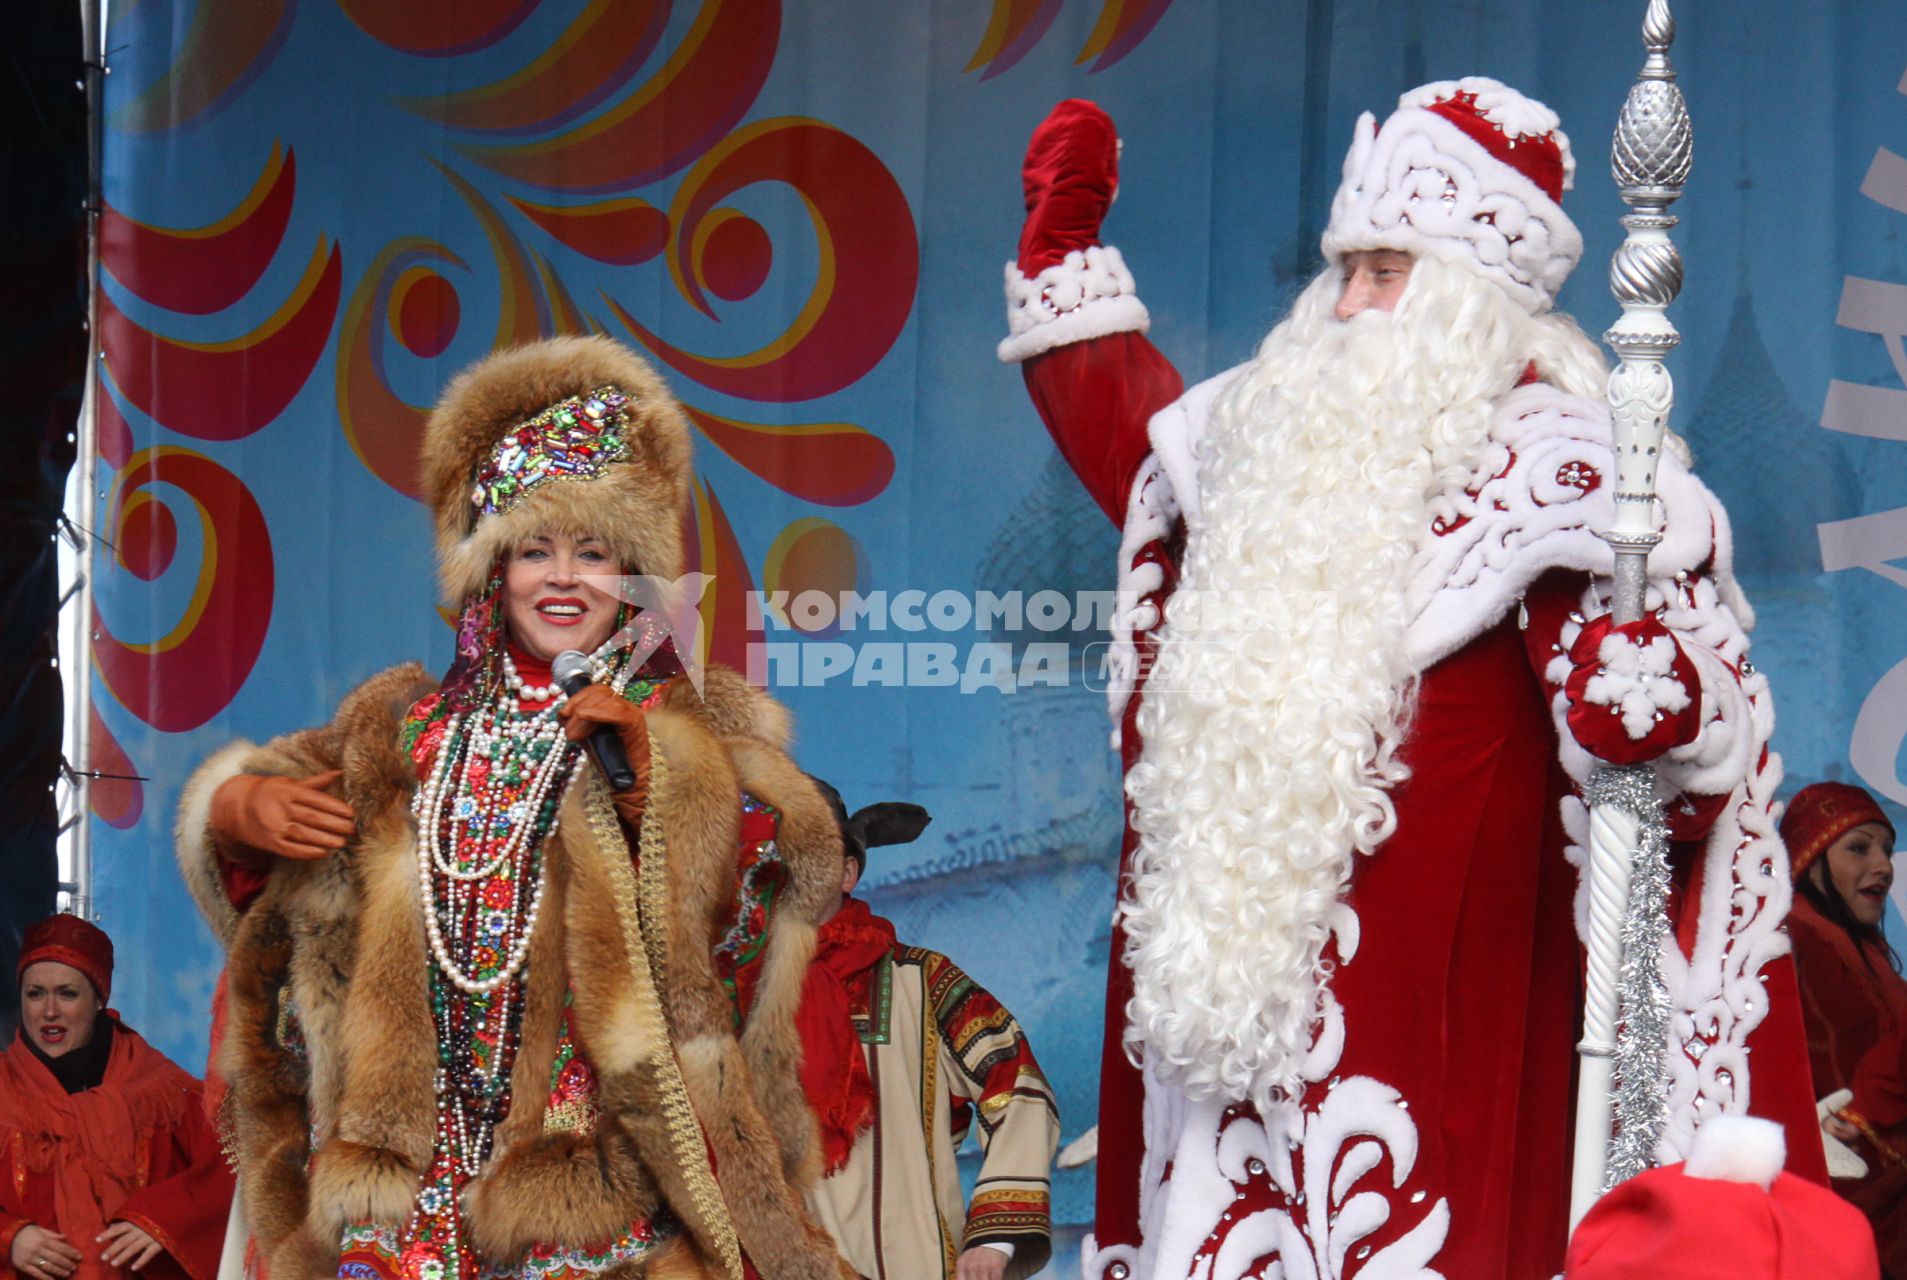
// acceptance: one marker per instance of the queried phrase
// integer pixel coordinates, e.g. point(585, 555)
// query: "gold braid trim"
point(648, 949)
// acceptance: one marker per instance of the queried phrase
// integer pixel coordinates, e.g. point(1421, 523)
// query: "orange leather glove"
point(600, 705)
point(288, 817)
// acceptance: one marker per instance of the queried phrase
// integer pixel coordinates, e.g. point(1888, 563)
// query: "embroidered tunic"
point(946, 1060)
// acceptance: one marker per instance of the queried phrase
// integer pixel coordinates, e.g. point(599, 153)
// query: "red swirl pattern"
point(203, 269)
point(860, 300)
point(183, 678)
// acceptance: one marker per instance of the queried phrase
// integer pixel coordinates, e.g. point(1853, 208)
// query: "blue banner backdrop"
point(321, 209)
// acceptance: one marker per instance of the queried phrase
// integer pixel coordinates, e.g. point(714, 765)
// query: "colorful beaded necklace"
point(494, 767)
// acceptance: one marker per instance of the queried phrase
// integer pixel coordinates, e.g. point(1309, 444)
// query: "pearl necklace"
point(504, 736)
point(527, 692)
point(470, 820)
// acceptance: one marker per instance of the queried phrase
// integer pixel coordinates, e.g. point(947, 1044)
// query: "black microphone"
point(572, 674)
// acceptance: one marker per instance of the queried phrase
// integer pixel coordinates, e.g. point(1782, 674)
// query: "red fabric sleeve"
point(1096, 397)
point(185, 1212)
point(1880, 1088)
point(10, 1226)
point(242, 884)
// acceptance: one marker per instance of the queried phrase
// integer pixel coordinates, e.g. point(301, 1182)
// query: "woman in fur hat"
point(477, 1027)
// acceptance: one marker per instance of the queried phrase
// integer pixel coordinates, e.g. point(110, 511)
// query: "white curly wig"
point(1281, 694)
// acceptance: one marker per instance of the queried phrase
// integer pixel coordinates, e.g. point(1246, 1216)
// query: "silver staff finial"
point(1654, 145)
point(1658, 33)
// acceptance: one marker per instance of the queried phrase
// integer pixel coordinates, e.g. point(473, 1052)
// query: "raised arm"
point(1074, 319)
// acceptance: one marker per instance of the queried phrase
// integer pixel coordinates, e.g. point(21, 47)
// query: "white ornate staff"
point(1621, 1101)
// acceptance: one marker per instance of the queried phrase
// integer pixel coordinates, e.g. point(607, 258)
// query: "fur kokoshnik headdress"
point(567, 435)
point(1468, 171)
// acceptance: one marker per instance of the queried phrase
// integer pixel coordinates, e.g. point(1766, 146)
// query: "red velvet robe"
point(177, 1188)
point(1472, 887)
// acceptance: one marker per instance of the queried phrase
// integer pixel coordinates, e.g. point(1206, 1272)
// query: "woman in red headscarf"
point(108, 1163)
point(1841, 845)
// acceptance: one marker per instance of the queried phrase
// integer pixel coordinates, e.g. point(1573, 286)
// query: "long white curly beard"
point(1280, 695)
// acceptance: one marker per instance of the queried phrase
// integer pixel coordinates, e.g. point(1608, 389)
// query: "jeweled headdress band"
point(573, 439)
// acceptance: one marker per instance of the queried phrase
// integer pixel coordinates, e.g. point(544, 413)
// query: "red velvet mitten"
point(1633, 693)
point(1069, 175)
point(1065, 286)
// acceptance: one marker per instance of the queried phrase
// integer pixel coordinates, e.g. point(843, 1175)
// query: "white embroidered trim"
point(1546, 487)
point(1087, 294)
point(1096, 1263)
point(1715, 993)
point(1638, 681)
point(1317, 1152)
point(1164, 492)
point(1423, 185)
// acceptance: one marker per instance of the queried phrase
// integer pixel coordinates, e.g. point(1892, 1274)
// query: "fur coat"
point(334, 1124)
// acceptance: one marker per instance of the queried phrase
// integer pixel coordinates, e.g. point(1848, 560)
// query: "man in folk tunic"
point(904, 1055)
point(1362, 659)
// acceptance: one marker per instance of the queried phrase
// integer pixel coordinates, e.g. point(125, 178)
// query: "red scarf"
point(833, 1068)
point(93, 1144)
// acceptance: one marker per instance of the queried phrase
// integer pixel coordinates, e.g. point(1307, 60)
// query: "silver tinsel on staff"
point(1642, 1038)
point(1621, 1105)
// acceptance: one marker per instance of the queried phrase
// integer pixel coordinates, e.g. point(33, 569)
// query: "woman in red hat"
point(1841, 847)
point(108, 1163)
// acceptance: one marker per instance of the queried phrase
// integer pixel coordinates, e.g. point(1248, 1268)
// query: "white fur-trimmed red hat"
point(1469, 171)
point(1729, 1211)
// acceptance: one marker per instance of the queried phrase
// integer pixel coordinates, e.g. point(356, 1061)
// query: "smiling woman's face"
point(57, 1005)
point(1860, 868)
point(547, 605)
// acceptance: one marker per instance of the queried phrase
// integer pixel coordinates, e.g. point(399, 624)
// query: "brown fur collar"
point(345, 937)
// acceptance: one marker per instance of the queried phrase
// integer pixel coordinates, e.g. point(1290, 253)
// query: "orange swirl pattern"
point(859, 302)
point(438, 28)
point(834, 464)
point(117, 796)
point(385, 431)
point(702, 92)
point(227, 45)
point(620, 232)
point(186, 676)
point(200, 270)
point(1016, 26)
point(226, 390)
point(589, 63)
point(714, 550)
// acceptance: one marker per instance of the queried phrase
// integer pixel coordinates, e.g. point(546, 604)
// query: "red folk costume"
point(1855, 1007)
point(1344, 953)
point(519, 1025)
point(137, 1147)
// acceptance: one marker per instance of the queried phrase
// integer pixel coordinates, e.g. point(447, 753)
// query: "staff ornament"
point(1621, 1103)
